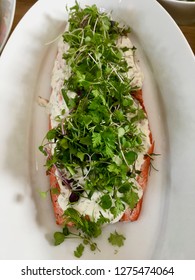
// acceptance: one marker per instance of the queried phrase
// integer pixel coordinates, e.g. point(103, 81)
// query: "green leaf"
point(113, 168)
point(86, 140)
point(66, 231)
point(80, 76)
point(139, 140)
point(71, 104)
point(131, 157)
point(95, 92)
point(70, 169)
point(51, 134)
point(116, 239)
point(65, 96)
point(93, 246)
point(108, 151)
point(63, 112)
point(64, 143)
point(51, 162)
point(93, 229)
point(118, 208)
point(106, 201)
point(79, 250)
point(96, 139)
point(59, 237)
point(125, 187)
point(121, 132)
point(86, 120)
point(95, 104)
point(102, 220)
point(73, 216)
point(131, 198)
point(42, 149)
point(87, 39)
point(127, 102)
point(139, 116)
point(119, 115)
point(80, 155)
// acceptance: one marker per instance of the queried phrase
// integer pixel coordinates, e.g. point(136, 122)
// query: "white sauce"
point(143, 127)
point(60, 71)
point(134, 73)
point(91, 206)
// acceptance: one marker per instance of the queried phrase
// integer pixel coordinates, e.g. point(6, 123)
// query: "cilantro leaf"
point(79, 250)
point(93, 229)
point(116, 239)
point(131, 157)
point(118, 208)
point(131, 198)
point(59, 237)
point(88, 227)
point(125, 187)
point(105, 201)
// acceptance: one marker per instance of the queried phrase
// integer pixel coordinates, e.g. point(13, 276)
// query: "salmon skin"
point(58, 211)
point(133, 215)
point(142, 179)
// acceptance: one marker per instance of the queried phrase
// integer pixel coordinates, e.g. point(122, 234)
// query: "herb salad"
point(99, 144)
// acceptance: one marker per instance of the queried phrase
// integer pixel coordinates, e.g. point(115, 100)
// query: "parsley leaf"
point(118, 207)
point(96, 139)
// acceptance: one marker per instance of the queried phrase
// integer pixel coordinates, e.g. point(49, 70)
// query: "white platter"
point(7, 12)
point(166, 226)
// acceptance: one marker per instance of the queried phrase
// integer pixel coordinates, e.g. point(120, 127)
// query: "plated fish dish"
point(99, 144)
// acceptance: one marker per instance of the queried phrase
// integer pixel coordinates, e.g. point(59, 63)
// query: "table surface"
point(22, 6)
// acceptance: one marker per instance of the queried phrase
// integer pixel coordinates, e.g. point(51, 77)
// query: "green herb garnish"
point(116, 239)
point(79, 251)
point(100, 135)
point(87, 231)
